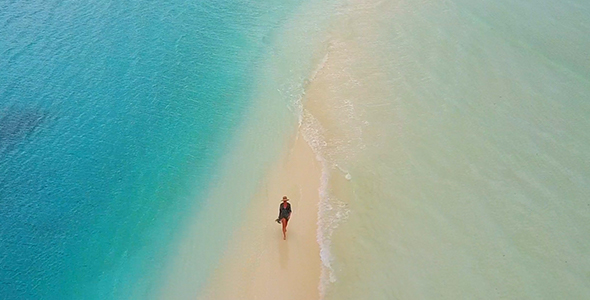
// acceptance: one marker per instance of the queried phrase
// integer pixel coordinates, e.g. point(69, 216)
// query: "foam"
point(330, 150)
point(331, 211)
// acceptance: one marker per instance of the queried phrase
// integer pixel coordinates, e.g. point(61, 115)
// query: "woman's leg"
point(284, 222)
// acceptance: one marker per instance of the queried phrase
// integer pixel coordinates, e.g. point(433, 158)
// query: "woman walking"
point(284, 215)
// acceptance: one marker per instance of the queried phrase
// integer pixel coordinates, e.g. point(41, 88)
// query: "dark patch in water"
point(16, 125)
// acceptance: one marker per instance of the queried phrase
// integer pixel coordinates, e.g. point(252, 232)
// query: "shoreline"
point(258, 263)
point(255, 262)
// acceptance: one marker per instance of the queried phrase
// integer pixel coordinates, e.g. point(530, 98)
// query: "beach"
point(258, 263)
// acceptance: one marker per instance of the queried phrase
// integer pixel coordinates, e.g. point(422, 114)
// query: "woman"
point(284, 215)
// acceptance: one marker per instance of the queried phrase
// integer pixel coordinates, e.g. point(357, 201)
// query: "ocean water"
point(113, 119)
point(453, 136)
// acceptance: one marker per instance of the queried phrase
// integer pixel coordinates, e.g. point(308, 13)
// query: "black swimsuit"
point(284, 213)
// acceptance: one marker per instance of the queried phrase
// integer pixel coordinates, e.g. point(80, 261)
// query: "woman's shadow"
point(283, 251)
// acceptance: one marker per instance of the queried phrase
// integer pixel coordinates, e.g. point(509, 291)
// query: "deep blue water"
point(113, 115)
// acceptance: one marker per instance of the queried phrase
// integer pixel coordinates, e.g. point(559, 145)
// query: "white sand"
point(259, 264)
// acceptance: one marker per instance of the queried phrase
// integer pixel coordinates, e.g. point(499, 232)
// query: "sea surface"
point(453, 136)
point(113, 118)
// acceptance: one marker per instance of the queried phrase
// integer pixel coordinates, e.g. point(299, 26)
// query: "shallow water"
point(462, 128)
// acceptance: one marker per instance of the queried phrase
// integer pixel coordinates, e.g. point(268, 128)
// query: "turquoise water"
point(112, 118)
point(453, 142)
